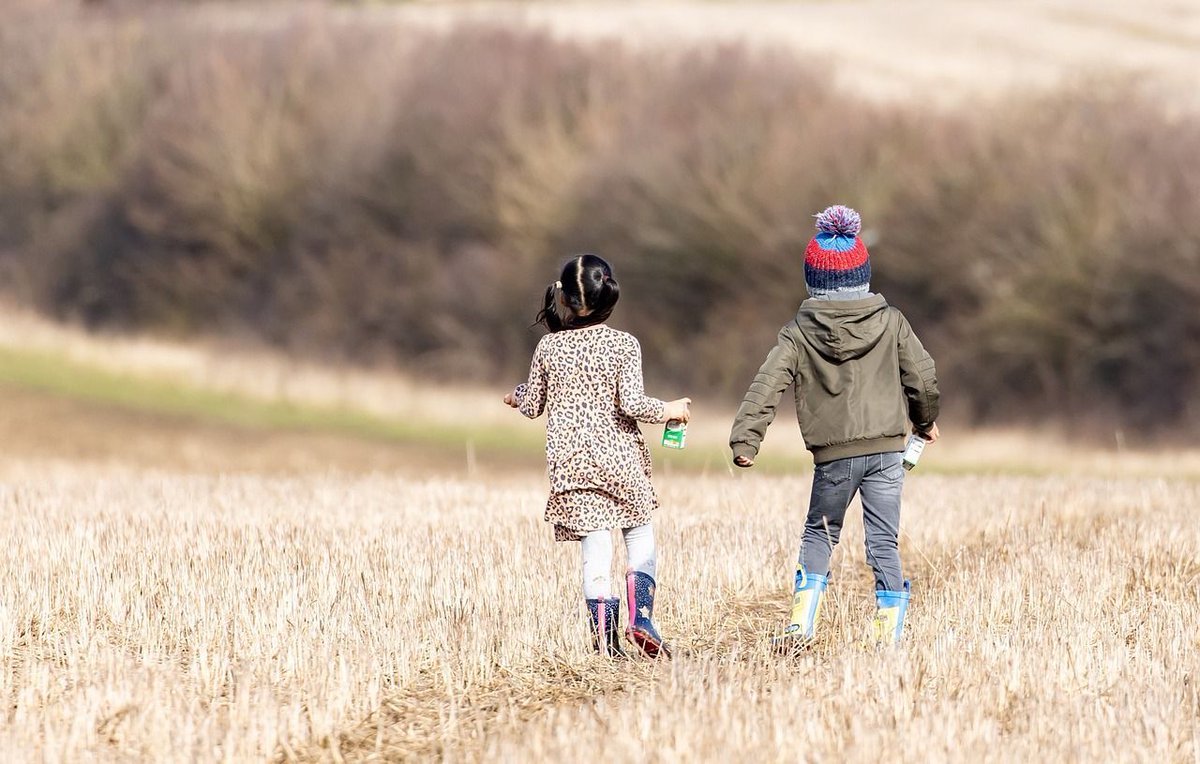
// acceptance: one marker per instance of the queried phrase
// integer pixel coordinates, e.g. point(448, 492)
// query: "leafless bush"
point(367, 192)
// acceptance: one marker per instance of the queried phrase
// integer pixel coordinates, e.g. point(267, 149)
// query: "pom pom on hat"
point(839, 220)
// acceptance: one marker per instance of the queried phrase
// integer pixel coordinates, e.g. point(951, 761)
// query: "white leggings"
point(597, 549)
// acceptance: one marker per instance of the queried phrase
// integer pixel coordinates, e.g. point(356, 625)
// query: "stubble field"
point(192, 616)
point(206, 563)
point(213, 556)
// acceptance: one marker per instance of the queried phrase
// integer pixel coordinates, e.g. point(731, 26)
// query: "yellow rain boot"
point(888, 622)
point(806, 612)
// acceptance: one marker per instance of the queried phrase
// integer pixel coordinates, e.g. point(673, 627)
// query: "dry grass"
point(151, 615)
point(168, 595)
point(154, 606)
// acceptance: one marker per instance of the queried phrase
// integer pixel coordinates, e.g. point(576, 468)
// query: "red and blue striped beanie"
point(836, 259)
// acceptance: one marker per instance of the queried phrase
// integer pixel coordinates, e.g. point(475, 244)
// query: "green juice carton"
point(674, 434)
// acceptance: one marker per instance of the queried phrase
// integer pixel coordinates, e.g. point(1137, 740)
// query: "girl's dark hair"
point(584, 295)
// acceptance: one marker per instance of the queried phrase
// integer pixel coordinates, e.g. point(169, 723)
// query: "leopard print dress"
point(589, 383)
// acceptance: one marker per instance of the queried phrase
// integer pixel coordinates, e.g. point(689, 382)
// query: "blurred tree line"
point(361, 193)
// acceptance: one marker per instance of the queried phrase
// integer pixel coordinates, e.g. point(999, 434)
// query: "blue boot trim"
point(890, 609)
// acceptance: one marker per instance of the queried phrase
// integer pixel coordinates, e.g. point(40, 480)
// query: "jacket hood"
point(842, 330)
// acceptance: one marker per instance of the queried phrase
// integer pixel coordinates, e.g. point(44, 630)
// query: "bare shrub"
point(372, 192)
point(1063, 237)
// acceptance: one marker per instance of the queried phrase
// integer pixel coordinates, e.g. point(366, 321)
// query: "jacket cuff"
point(743, 449)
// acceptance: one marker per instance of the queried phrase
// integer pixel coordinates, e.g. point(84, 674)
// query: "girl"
point(587, 377)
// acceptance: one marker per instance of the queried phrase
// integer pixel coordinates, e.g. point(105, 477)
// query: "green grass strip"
point(55, 374)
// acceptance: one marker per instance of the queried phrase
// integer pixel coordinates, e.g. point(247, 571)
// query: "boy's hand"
point(678, 410)
point(932, 435)
point(743, 461)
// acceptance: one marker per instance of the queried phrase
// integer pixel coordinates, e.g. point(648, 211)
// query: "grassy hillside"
point(178, 405)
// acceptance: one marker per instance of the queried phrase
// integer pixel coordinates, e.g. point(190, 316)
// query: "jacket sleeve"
point(631, 392)
point(918, 376)
point(531, 396)
point(758, 407)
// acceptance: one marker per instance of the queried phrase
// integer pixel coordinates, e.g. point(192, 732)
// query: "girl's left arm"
point(531, 396)
point(631, 391)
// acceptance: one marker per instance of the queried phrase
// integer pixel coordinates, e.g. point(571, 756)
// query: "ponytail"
point(550, 316)
point(585, 295)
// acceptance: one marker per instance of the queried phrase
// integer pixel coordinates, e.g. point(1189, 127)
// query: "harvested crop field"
point(191, 616)
point(225, 552)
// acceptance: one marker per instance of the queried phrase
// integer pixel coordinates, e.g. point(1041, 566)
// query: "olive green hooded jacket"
point(860, 375)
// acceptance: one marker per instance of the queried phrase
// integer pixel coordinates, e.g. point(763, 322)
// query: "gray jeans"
point(879, 477)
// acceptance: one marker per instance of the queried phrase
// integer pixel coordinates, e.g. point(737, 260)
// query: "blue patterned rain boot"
point(605, 615)
point(888, 622)
point(641, 630)
point(806, 611)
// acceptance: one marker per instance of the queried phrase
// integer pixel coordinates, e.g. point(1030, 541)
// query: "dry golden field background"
point(218, 552)
point(179, 588)
point(153, 615)
point(938, 52)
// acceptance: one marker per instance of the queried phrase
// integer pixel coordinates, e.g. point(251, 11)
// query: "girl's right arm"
point(631, 391)
point(530, 398)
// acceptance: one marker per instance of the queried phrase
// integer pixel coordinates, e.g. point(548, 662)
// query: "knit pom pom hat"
point(836, 260)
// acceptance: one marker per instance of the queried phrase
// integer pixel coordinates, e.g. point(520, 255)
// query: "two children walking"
point(860, 376)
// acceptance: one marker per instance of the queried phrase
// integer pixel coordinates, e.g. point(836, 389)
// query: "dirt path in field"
point(434, 719)
point(430, 721)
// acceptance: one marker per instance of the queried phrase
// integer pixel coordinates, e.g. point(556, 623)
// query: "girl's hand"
point(678, 410)
point(510, 400)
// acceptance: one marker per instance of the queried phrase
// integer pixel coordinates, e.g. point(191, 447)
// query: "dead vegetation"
point(160, 615)
point(343, 184)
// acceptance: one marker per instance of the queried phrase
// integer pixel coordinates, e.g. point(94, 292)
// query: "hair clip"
point(558, 285)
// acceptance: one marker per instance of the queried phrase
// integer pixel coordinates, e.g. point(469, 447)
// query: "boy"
point(861, 375)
